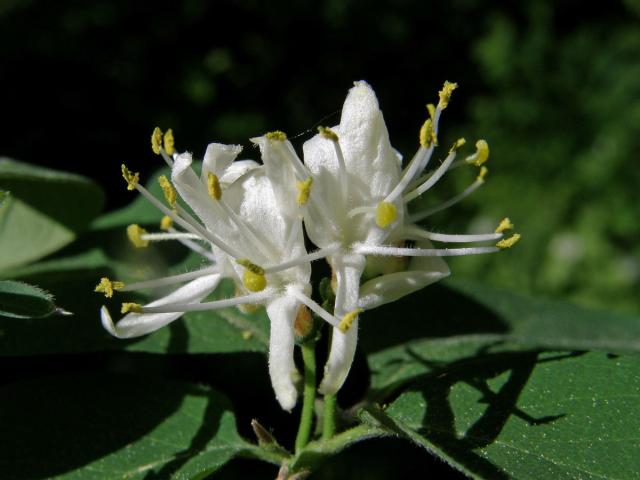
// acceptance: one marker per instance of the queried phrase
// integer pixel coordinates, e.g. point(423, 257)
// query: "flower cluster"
point(351, 192)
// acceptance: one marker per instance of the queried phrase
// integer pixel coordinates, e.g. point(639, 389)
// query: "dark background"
point(553, 86)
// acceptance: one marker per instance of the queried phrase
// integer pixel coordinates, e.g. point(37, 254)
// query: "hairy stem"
point(329, 420)
point(309, 396)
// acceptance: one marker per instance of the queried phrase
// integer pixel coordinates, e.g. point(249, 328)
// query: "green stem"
point(329, 421)
point(309, 396)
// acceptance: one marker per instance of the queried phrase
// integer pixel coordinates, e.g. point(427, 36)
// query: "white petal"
point(217, 158)
point(194, 193)
point(282, 312)
point(348, 270)
point(281, 173)
point(236, 170)
point(137, 324)
point(421, 271)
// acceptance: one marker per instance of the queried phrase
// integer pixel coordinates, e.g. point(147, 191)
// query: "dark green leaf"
point(44, 212)
point(524, 415)
point(109, 426)
point(21, 300)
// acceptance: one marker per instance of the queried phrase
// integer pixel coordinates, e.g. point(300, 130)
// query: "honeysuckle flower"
point(353, 194)
point(253, 237)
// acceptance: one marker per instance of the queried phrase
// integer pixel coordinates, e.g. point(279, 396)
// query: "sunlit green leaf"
point(524, 415)
point(44, 212)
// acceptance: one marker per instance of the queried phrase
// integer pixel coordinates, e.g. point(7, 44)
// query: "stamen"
point(170, 194)
point(213, 186)
point(427, 134)
point(186, 221)
point(415, 233)
point(131, 178)
point(314, 307)
point(508, 242)
point(159, 237)
point(304, 190)
point(169, 142)
point(156, 140)
point(481, 155)
point(360, 210)
point(310, 257)
point(437, 175)
point(504, 225)
point(195, 247)
point(135, 233)
point(444, 205)
point(483, 173)
point(252, 298)
point(347, 321)
point(131, 307)
point(166, 223)
point(250, 266)
point(253, 277)
point(386, 214)
point(445, 94)
point(171, 280)
point(342, 166)
point(328, 133)
point(276, 136)
point(422, 252)
point(107, 286)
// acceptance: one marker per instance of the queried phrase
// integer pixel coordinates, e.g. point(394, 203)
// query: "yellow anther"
point(249, 265)
point(347, 321)
point(328, 133)
point(107, 286)
point(135, 233)
point(253, 282)
point(166, 223)
point(445, 94)
point(508, 242)
point(431, 108)
point(131, 178)
point(169, 142)
point(483, 173)
point(457, 144)
point(131, 307)
point(156, 140)
point(481, 155)
point(170, 194)
point(504, 225)
point(304, 190)
point(427, 134)
point(386, 214)
point(213, 186)
point(277, 135)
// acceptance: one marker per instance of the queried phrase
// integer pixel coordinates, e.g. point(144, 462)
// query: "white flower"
point(356, 210)
point(254, 239)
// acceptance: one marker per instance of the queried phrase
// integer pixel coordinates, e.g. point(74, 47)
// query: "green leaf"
point(21, 300)
point(44, 212)
point(114, 426)
point(525, 415)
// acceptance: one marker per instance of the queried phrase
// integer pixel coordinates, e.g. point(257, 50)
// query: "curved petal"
point(421, 271)
point(236, 170)
point(282, 313)
point(137, 324)
point(217, 158)
point(348, 271)
point(281, 172)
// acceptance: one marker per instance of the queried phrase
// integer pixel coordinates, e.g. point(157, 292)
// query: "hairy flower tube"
point(246, 233)
point(353, 195)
